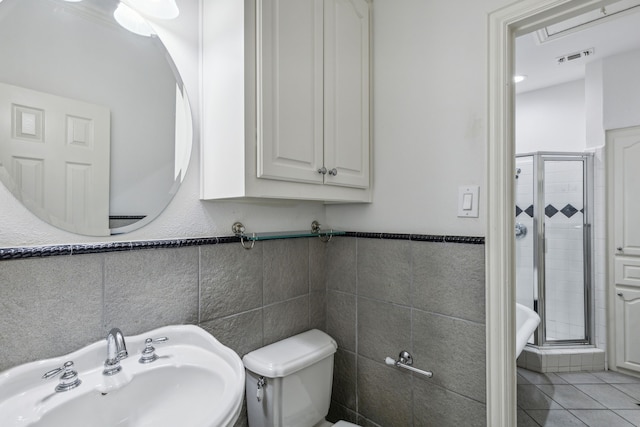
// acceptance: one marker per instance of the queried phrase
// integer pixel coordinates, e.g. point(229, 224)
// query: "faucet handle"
point(69, 378)
point(149, 353)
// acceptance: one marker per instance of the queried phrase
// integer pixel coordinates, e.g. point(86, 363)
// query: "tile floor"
point(594, 399)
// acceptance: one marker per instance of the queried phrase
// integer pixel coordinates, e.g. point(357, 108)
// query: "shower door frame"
point(540, 335)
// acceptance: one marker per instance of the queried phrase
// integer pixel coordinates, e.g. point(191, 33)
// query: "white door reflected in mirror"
point(55, 152)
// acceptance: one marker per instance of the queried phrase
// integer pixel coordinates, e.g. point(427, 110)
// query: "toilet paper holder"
point(405, 360)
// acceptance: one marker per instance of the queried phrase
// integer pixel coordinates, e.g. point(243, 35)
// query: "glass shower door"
point(565, 249)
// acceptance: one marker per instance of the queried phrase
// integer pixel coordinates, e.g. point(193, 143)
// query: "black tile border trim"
point(419, 237)
point(94, 248)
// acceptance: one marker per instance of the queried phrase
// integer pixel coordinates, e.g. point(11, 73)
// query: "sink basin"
point(195, 382)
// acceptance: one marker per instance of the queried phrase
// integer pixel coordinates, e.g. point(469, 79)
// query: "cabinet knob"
point(619, 248)
point(323, 170)
point(333, 172)
point(620, 294)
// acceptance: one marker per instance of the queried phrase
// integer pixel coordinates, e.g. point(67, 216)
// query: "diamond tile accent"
point(529, 211)
point(550, 211)
point(569, 211)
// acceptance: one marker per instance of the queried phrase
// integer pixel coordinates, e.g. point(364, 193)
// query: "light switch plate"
point(468, 201)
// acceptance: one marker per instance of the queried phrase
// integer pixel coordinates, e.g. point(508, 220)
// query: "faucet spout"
point(116, 351)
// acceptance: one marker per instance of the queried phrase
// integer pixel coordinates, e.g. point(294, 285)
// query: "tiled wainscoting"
point(374, 296)
point(384, 296)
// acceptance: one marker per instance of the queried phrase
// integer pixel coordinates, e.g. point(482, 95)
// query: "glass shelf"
point(251, 237)
point(315, 231)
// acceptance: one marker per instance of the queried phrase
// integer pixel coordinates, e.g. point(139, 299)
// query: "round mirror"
point(95, 124)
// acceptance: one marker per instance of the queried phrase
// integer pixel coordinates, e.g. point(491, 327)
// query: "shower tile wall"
point(385, 296)
point(376, 297)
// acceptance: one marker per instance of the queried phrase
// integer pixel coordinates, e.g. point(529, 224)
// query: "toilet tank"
point(298, 372)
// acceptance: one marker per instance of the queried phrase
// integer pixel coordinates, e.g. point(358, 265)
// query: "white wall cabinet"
point(286, 100)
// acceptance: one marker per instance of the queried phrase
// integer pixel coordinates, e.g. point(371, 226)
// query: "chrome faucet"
point(116, 351)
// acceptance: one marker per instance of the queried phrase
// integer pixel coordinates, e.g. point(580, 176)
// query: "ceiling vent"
point(564, 59)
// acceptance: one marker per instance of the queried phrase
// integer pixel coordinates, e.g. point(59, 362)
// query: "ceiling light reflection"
point(132, 20)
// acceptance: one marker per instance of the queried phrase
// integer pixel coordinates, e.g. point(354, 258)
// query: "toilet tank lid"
point(285, 357)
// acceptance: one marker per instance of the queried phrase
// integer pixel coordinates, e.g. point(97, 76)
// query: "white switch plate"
point(468, 201)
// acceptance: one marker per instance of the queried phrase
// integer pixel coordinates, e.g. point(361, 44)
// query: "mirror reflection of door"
point(55, 152)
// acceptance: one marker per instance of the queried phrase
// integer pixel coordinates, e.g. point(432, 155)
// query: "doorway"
point(504, 25)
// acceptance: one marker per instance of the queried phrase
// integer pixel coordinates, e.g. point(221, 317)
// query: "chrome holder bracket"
point(316, 228)
point(238, 230)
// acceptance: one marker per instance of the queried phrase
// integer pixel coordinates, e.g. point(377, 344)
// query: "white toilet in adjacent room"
point(288, 383)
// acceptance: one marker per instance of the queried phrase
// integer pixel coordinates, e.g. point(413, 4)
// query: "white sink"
point(195, 382)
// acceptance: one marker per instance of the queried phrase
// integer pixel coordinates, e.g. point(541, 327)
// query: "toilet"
point(288, 383)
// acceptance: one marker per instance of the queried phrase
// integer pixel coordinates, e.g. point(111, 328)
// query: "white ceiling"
point(538, 61)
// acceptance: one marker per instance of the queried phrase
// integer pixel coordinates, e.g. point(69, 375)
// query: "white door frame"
point(504, 25)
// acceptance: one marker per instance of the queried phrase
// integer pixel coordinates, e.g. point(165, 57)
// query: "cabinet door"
point(627, 321)
point(346, 92)
point(627, 271)
point(289, 90)
point(626, 176)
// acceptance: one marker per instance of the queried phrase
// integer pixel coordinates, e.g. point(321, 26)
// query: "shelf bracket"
point(238, 230)
point(316, 228)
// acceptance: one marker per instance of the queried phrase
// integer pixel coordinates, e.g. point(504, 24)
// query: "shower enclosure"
point(553, 244)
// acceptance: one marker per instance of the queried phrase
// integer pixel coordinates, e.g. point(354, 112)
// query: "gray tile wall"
point(375, 297)
point(384, 296)
point(246, 298)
